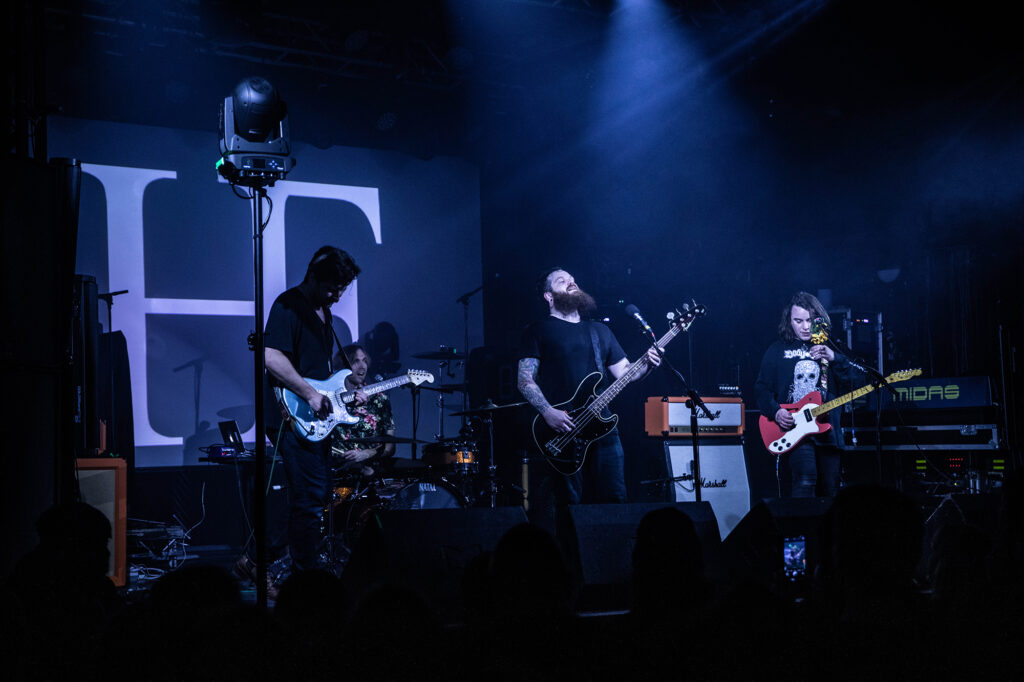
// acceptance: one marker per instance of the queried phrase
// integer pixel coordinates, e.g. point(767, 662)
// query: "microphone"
point(634, 312)
point(378, 378)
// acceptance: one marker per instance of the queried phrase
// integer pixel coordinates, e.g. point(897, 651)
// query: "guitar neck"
point(631, 372)
point(842, 400)
point(386, 385)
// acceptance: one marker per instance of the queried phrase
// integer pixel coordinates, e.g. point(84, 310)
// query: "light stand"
point(259, 368)
point(255, 152)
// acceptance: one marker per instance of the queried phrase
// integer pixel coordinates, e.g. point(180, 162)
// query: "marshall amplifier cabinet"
point(669, 417)
point(723, 473)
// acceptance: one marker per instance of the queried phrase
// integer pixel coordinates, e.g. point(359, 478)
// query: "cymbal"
point(381, 439)
point(447, 388)
point(440, 355)
point(487, 408)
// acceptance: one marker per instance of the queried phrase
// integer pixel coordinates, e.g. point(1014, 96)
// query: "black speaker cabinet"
point(605, 537)
point(426, 550)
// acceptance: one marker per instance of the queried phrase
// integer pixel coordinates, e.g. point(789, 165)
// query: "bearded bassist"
point(558, 352)
point(792, 367)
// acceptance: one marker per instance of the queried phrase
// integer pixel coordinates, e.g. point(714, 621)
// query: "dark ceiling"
point(390, 72)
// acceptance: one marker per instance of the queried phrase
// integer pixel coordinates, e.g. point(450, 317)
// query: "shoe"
point(245, 568)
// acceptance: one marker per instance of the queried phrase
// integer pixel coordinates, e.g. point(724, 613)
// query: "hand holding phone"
point(794, 557)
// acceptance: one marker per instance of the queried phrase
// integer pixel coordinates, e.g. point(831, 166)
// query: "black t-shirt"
point(294, 328)
point(566, 354)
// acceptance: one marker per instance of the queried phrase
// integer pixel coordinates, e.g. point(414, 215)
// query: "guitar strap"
point(597, 347)
point(344, 360)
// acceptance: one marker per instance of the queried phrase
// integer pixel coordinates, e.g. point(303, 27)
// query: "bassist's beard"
point(578, 301)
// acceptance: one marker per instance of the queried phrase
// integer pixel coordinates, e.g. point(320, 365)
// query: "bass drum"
point(428, 495)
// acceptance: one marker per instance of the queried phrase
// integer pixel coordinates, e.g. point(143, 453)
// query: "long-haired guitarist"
point(558, 352)
point(299, 340)
point(791, 368)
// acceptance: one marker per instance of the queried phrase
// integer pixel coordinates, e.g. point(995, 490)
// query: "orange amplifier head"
point(666, 417)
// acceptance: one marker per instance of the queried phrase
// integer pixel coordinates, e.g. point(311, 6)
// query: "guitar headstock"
point(685, 317)
point(418, 376)
point(903, 375)
point(819, 331)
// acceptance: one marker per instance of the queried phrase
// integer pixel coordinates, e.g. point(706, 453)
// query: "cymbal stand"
point(492, 469)
point(464, 300)
point(443, 368)
point(494, 486)
point(414, 391)
point(331, 540)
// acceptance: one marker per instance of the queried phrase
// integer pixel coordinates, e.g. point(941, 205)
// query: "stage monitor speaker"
point(754, 548)
point(102, 482)
point(606, 535)
point(723, 471)
point(426, 550)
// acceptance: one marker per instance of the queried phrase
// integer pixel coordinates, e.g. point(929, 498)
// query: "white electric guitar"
point(312, 429)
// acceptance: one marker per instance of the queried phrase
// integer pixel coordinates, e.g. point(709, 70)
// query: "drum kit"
point(450, 474)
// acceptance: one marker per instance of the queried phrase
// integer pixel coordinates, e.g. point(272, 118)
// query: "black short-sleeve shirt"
point(294, 328)
point(566, 354)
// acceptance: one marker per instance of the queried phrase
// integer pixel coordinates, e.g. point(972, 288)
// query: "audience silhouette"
point(893, 595)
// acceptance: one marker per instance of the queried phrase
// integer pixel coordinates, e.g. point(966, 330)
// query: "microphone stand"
point(464, 301)
point(878, 381)
point(693, 402)
point(665, 481)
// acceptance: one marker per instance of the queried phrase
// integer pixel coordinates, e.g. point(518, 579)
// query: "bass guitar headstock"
point(685, 317)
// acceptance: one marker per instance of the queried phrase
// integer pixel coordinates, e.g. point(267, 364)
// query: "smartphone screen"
point(794, 557)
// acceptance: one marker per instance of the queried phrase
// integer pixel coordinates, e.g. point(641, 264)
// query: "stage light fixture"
point(255, 148)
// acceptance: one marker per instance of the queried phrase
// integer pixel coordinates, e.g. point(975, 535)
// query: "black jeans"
point(307, 468)
point(814, 466)
point(602, 478)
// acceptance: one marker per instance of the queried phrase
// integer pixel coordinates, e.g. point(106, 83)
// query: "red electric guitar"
point(808, 410)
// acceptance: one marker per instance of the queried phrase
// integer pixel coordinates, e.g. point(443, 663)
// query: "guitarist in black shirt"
point(299, 341)
point(558, 353)
point(791, 368)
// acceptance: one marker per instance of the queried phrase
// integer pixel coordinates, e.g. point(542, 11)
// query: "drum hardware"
point(383, 438)
point(447, 388)
point(487, 408)
point(334, 551)
point(445, 356)
point(484, 415)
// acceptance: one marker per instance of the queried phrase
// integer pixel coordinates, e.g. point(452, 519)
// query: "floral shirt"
point(375, 419)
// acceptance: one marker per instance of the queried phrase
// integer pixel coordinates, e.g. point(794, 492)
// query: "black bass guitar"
point(566, 452)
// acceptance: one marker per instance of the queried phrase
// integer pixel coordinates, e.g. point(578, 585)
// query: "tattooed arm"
point(557, 419)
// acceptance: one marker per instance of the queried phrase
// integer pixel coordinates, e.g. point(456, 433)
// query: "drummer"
point(375, 419)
